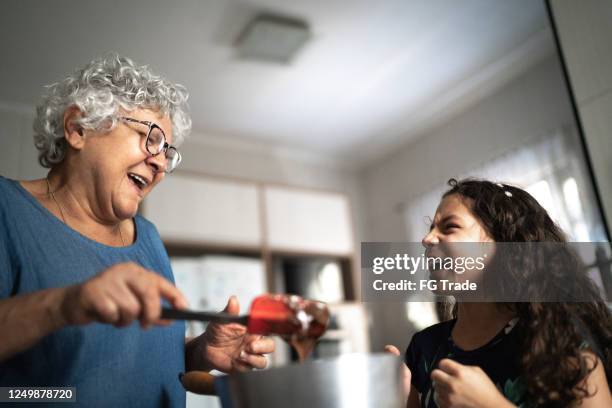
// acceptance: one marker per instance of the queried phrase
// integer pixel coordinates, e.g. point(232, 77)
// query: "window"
point(550, 169)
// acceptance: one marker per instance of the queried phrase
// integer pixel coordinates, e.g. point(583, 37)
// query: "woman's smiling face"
point(118, 167)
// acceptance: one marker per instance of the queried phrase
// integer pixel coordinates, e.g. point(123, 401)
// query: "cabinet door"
point(308, 221)
point(205, 210)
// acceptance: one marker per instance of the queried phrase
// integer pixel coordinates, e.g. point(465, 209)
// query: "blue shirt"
point(127, 367)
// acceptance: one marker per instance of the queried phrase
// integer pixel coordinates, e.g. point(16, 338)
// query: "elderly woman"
point(77, 261)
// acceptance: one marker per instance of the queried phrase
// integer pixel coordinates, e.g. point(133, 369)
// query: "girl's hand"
point(460, 386)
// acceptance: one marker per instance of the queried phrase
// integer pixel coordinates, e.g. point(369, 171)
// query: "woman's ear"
point(73, 131)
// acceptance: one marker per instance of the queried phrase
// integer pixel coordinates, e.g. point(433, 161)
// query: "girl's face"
point(452, 230)
point(454, 222)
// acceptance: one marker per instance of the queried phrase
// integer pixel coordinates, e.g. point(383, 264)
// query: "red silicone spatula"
point(283, 315)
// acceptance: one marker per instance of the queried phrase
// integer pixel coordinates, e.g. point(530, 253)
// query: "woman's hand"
point(228, 348)
point(406, 374)
point(119, 295)
point(460, 386)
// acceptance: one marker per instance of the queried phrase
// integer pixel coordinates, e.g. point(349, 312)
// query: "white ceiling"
point(373, 75)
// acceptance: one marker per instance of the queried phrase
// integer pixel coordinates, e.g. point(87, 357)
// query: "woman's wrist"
point(54, 302)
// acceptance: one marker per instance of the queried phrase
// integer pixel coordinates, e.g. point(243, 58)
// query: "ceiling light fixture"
point(272, 38)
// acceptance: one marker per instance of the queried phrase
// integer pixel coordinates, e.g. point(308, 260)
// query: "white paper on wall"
point(209, 281)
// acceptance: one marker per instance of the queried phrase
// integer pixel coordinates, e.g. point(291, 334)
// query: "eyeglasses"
point(156, 143)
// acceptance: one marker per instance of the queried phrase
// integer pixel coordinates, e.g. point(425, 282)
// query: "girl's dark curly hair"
point(554, 334)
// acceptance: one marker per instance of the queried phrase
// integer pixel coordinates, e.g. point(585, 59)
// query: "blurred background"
point(319, 125)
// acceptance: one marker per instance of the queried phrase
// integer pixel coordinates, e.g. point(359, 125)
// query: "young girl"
point(508, 354)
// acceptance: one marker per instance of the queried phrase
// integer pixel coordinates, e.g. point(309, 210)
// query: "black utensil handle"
point(177, 314)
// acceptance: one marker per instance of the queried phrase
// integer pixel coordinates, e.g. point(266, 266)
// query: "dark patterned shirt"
point(498, 359)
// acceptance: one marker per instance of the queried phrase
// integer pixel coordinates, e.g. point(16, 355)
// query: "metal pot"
point(351, 380)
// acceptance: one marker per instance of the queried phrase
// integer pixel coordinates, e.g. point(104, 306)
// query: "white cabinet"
point(307, 221)
point(205, 210)
point(217, 211)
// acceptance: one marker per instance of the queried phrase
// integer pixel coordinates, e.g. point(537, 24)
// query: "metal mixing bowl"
point(351, 380)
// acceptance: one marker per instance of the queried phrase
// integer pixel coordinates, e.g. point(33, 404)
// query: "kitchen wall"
point(18, 156)
point(532, 105)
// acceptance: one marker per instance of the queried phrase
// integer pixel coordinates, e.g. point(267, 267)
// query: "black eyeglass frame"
point(165, 147)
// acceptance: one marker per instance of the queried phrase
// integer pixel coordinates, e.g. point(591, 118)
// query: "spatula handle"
point(177, 314)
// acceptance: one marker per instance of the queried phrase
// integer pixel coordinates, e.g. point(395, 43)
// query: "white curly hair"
point(99, 90)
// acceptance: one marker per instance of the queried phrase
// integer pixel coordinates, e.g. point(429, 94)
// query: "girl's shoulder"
point(430, 339)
